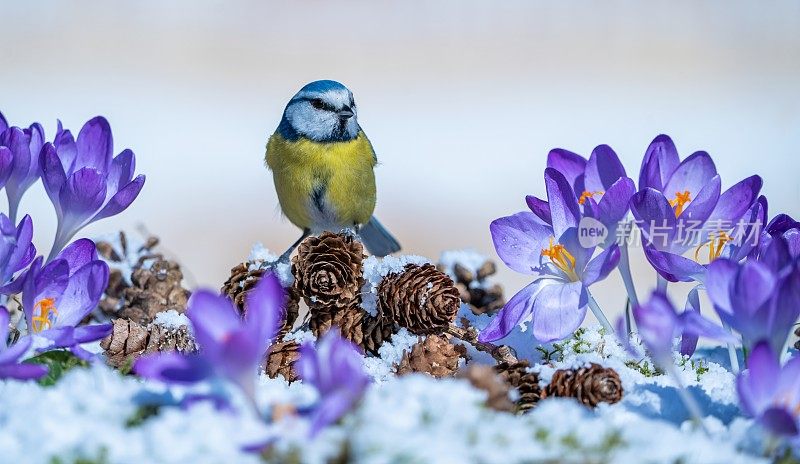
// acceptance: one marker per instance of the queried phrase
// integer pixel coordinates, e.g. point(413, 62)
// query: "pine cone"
point(377, 329)
point(485, 378)
point(474, 289)
point(281, 359)
point(434, 355)
point(349, 321)
point(526, 383)
point(591, 385)
point(797, 343)
point(327, 269)
point(421, 298)
point(129, 340)
point(117, 255)
point(244, 278)
point(155, 289)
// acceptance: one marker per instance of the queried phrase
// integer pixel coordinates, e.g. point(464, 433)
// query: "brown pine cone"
point(119, 254)
point(434, 355)
point(244, 278)
point(155, 289)
point(474, 289)
point(349, 321)
point(377, 329)
point(485, 378)
point(327, 269)
point(526, 383)
point(129, 340)
point(281, 359)
point(591, 385)
point(421, 298)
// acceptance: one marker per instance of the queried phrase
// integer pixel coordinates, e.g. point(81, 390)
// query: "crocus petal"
point(657, 323)
point(755, 284)
point(659, 162)
point(519, 240)
point(331, 409)
point(83, 292)
point(564, 210)
point(602, 264)
point(15, 351)
point(615, 202)
point(3, 123)
point(79, 253)
point(559, 309)
point(691, 174)
point(518, 308)
point(780, 421)
point(6, 164)
point(570, 165)
point(735, 201)
point(540, 208)
point(265, 309)
point(122, 199)
point(22, 371)
point(213, 317)
point(67, 150)
point(693, 324)
point(91, 333)
point(95, 145)
point(655, 218)
point(603, 169)
point(702, 203)
point(53, 176)
point(721, 273)
point(763, 368)
point(674, 268)
point(237, 358)
point(688, 339)
point(781, 223)
point(82, 354)
point(173, 367)
point(121, 172)
point(4, 318)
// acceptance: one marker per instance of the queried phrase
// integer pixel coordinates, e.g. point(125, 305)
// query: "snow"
point(171, 319)
point(261, 257)
point(470, 259)
point(375, 269)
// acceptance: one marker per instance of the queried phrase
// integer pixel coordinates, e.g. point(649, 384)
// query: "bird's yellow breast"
point(323, 182)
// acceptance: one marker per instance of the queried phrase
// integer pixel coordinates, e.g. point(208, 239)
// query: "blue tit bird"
point(322, 165)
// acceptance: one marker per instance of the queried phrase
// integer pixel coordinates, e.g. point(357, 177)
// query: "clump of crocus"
point(563, 269)
point(759, 298)
point(680, 207)
point(335, 368)
point(19, 161)
point(58, 295)
point(16, 251)
point(771, 393)
point(83, 179)
point(10, 356)
point(231, 348)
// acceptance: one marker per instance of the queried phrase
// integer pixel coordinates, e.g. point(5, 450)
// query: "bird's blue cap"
point(323, 86)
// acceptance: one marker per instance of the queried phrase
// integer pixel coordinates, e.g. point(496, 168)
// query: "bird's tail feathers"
point(377, 239)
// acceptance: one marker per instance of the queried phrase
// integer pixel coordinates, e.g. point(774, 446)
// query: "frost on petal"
point(518, 240)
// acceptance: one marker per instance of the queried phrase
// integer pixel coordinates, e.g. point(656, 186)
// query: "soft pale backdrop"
point(461, 99)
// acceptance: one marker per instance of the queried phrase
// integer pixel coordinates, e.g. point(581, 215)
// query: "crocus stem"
point(598, 313)
point(732, 353)
point(627, 279)
point(687, 398)
point(13, 208)
point(59, 242)
point(661, 284)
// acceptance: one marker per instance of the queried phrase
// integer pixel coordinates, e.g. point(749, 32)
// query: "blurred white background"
point(462, 100)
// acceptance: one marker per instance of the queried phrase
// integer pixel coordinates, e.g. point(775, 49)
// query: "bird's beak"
point(345, 113)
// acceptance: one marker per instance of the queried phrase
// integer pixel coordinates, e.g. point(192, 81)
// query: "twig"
point(501, 353)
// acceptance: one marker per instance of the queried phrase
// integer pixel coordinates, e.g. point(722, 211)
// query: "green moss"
point(141, 415)
point(59, 362)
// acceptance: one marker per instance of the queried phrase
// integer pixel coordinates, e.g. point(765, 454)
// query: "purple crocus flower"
point(57, 296)
point(335, 368)
point(83, 181)
point(19, 161)
point(600, 185)
point(660, 324)
point(758, 300)
point(10, 356)
point(782, 228)
point(230, 348)
point(698, 216)
point(563, 270)
point(16, 251)
point(771, 393)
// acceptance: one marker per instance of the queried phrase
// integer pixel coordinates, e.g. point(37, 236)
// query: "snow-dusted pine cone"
point(526, 383)
point(129, 340)
point(485, 378)
point(434, 355)
point(281, 359)
point(421, 298)
point(481, 296)
point(349, 320)
point(591, 385)
point(377, 329)
point(155, 289)
point(119, 256)
point(327, 269)
point(244, 278)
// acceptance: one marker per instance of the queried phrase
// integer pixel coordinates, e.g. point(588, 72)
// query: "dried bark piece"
point(590, 385)
point(485, 378)
point(434, 355)
point(129, 340)
point(421, 298)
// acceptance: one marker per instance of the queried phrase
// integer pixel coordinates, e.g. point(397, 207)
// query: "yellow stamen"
point(586, 195)
point(562, 258)
point(47, 314)
point(715, 245)
point(679, 202)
